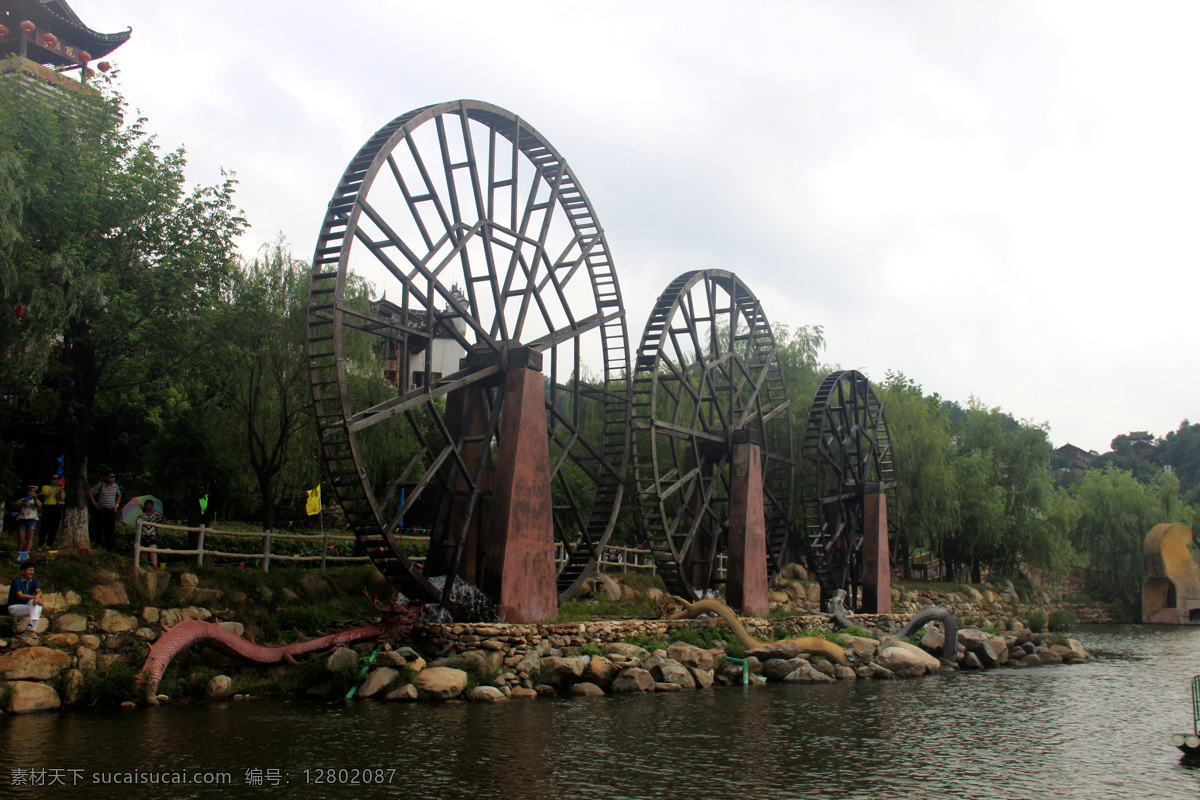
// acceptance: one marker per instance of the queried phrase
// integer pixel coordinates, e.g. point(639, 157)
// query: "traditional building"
point(409, 361)
point(1070, 456)
point(46, 39)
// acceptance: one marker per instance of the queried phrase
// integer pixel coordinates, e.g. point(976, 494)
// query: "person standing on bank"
point(105, 498)
point(27, 519)
point(25, 598)
point(52, 502)
point(149, 515)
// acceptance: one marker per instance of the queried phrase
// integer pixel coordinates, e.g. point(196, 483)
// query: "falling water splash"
point(477, 605)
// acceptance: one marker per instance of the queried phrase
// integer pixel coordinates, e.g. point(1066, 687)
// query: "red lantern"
point(3, 31)
point(28, 27)
point(104, 66)
point(20, 311)
point(49, 39)
point(85, 56)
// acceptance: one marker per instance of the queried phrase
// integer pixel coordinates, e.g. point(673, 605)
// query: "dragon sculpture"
point(395, 621)
point(707, 605)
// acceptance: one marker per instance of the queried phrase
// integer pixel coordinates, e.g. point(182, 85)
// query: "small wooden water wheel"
point(846, 454)
point(707, 376)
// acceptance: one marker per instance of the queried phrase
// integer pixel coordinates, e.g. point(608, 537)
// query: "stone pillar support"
point(746, 568)
point(518, 557)
point(877, 567)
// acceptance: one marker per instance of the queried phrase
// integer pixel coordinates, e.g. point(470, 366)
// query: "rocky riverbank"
point(92, 644)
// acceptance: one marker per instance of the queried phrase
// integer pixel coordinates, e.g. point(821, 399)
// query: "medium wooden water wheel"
point(846, 454)
point(491, 258)
point(707, 375)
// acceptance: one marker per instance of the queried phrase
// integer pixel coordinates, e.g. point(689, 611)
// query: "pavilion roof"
point(58, 18)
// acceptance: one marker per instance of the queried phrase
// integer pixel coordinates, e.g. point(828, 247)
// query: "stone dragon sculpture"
point(395, 621)
point(707, 605)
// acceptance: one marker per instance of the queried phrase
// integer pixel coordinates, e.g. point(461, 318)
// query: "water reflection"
point(1096, 730)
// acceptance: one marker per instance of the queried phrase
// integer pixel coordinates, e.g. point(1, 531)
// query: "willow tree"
point(107, 252)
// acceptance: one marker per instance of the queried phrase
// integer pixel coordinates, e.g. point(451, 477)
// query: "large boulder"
point(861, 646)
point(587, 689)
point(1077, 652)
point(219, 688)
point(377, 681)
point(110, 594)
point(931, 662)
point(671, 671)
point(784, 650)
point(691, 656)
point(776, 669)
point(487, 694)
point(116, 622)
point(33, 664)
point(633, 679)
point(806, 673)
point(977, 642)
point(901, 661)
point(481, 662)
point(28, 697)
point(626, 650)
point(85, 659)
point(600, 671)
point(703, 677)
point(314, 587)
point(442, 683)
point(562, 671)
point(343, 658)
point(70, 623)
point(611, 588)
point(403, 693)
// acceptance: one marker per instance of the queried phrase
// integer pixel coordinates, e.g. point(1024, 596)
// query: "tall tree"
point(259, 371)
point(109, 254)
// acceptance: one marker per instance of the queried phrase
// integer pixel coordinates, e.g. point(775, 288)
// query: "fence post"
point(200, 547)
point(266, 551)
point(324, 546)
point(137, 546)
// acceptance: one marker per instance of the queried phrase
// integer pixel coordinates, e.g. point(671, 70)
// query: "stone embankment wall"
point(498, 662)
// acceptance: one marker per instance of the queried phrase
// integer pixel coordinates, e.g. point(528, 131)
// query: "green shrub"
point(592, 650)
point(109, 687)
point(1060, 639)
point(1037, 621)
point(1061, 620)
point(8, 625)
point(647, 643)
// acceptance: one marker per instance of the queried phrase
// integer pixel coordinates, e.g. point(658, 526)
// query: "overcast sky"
point(997, 199)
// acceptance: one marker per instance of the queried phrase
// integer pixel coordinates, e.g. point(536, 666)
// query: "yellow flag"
point(313, 506)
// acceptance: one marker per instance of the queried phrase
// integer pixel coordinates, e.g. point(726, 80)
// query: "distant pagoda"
point(46, 38)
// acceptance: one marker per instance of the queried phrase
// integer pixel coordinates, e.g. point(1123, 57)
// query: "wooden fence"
point(615, 559)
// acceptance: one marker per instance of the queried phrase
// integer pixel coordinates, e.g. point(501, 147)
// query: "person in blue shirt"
point(25, 598)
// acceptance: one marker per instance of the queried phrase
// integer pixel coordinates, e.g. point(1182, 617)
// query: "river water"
point(1096, 730)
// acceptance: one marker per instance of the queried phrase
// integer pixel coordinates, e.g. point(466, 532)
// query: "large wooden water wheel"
point(491, 259)
point(707, 375)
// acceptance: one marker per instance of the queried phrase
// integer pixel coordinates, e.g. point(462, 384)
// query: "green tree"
point(258, 369)
point(919, 429)
point(109, 253)
point(1115, 514)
